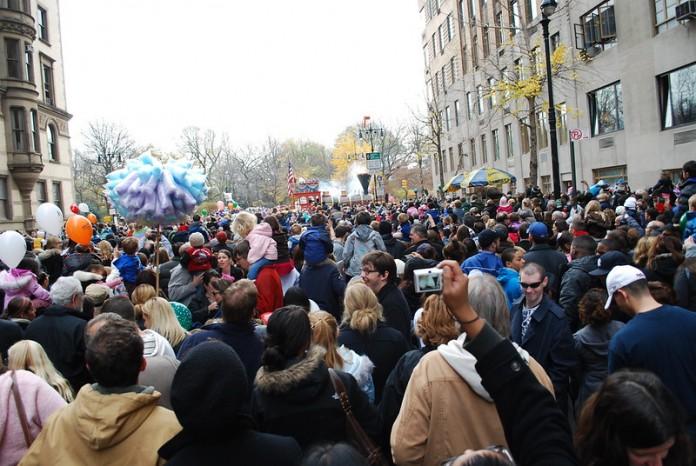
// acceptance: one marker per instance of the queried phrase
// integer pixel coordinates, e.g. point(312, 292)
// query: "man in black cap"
point(608, 261)
point(486, 260)
point(553, 261)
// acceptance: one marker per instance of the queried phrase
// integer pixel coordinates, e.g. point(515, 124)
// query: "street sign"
point(374, 162)
point(576, 134)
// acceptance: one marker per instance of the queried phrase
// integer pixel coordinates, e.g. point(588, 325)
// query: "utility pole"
point(367, 132)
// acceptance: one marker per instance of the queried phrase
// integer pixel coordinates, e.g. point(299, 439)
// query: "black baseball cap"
point(608, 261)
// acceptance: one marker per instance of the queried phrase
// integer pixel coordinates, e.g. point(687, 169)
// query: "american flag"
point(291, 180)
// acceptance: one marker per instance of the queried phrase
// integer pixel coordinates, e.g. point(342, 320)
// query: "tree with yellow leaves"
point(347, 150)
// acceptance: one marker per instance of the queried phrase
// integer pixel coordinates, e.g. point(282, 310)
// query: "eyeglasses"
point(494, 448)
point(533, 286)
point(368, 271)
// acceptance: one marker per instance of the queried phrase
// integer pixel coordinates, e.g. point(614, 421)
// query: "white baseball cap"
point(619, 277)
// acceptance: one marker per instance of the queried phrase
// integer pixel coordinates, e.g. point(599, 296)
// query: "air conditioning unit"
point(686, 11)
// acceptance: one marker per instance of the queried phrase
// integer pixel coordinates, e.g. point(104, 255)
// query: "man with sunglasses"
point(539, 325)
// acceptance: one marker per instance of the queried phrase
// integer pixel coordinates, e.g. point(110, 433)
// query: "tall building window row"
point(598, 28)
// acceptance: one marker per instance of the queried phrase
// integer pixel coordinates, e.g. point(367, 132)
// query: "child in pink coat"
point(262, 249)
point(23, 282)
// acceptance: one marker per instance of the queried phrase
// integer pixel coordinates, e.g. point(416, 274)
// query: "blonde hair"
point(692, 202)
point(161, 319)
point(436, 325)
point(325, 333)
point(593, 206)
point(29, 355)
point(642, 250)
point(141, 294)
point(106, 251)
point(362, 309)
point(243, 223)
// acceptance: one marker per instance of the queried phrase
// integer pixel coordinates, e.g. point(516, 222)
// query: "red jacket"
point(270, 290)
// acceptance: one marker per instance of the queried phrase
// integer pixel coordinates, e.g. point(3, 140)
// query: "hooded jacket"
point(360, 367)
point(575, 283)
point(316, 244)
point(592, 347)
point(363, 240)
point(79, 261)
point(124, 428)
point(445, 395)
point(20, 282)
point(261, 243)
point(485, 261)
point(509, 279)
point(52, 263)
point(300, 401)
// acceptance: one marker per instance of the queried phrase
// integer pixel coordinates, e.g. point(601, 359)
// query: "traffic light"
point(404, 184)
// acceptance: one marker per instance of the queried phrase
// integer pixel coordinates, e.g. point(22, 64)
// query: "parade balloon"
point(204, 212)
point(220, 205)
point(230, 205)
point(50, 218)
point(74, 209)
point(12, 248)
point(79, 229)
point(92, 218)
point(84, 208)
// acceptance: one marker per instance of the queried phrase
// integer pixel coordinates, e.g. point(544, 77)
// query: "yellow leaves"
point(343, 154)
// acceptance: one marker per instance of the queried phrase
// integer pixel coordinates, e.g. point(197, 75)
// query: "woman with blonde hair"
point(363, 330)
point(595, 220)
point(243, 223)
point(30, 356)
point(106, 252)
point(141, 294)
point(159, 316)
point(325, 334)
point(642, 250)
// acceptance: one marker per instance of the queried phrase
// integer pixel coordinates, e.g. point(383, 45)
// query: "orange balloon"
point(92, 218)
point(79, 229)
point(230, 205)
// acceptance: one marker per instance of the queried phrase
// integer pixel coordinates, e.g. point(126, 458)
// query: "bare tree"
point(433, 120)
point(204, 148)
point(418, 147)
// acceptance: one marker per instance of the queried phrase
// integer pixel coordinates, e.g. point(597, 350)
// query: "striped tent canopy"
point(455, 183)
point(486, 176)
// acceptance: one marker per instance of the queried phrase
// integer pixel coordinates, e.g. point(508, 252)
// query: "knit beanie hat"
point(209, 388)
point(196, 239)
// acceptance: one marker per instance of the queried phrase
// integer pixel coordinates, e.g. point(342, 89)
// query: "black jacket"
point(663, 269)
point(78, 261)
point(549, 341)
point(243, 448)
point(323, 284)
point(685, 287)
point(165, 271)
point(536, 437)
point(395, 309)
point(553, 261)
point(394, 247)
point(10, 333)
point(52, 264)
point(62, 336)
point(384, 347)
point(574, 284)
point(300, 402)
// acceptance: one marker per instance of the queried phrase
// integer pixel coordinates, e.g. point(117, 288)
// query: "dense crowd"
point(485, 329)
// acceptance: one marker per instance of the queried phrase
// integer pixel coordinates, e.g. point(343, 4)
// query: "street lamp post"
point(367, 133)
point(548, 7)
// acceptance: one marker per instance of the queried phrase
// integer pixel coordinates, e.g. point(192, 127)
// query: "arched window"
point(52, 143)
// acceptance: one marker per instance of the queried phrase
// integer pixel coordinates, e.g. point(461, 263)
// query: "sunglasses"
point(533, 286)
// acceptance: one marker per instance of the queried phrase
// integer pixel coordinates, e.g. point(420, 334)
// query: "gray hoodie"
point(363, 240)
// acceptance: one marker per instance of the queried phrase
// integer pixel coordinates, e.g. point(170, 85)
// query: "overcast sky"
point(285, 68)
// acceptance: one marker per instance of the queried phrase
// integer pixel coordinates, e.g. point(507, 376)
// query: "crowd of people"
point(562, 332)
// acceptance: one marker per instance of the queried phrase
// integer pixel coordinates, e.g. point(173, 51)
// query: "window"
point(536, 62)
point(515, 18)
point(426, 56)
point(57, 194)
point(443, 72)
point(520, 71)
point(49, 97)
point(451, 31)
point(479, 91)
point(525, 134)
point(555, 42)
point(509, 148)
point(444, 161)
point(472, 151)
point(436, 164)
point(464, 63)
point(4, 199)
point(496, 144)
point(440, 39)
point(460, 155)
point(484, 149)
point(434, 45)
point(665, 14)
point(457, 111)
point(542, 130)
point(429, 90)
point(41, 192)
point(17, 5)
point(35, 146)
point(678, 96)
point(13, 66)
point(598, 28)
point(486, 43)
point(52, 143)
point(29, 62)
point(472, 11)
point(546, 184)
point(562, 113)
point(42, 19)
point(448, 116)
point(453, 71)
point(606, 109)
point(492, 101)
point(498, 28)
point(469, 105)
point(474, 51)
point(610, 174)
point(453, 167)
point(19, 142)
point(532, 12)
point(437, 83)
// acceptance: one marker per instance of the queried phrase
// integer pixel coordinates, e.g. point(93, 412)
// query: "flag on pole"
point(291, 180)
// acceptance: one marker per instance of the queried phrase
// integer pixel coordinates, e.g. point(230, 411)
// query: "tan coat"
point(441, 416)
point(117, 429)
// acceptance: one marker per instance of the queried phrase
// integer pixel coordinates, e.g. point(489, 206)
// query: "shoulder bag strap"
point(20, 410)
point(374, 455)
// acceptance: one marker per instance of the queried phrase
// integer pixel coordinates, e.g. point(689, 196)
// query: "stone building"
point(634, 100)
point(35, 157)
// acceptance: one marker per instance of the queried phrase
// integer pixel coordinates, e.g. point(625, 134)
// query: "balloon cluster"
point(147, 192)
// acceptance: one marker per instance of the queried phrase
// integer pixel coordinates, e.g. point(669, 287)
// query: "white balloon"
point(12, 248)
point(50, 218)
point(84, 208)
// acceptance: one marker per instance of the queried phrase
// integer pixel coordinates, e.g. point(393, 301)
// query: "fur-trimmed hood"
point(15, 279)
point(87, 276)
point(302, 373)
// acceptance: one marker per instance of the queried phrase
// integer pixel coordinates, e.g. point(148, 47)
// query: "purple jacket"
point(20, 282)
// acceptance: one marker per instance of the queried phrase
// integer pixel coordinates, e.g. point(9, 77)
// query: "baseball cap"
point(538, 230)
point(619, 277)
point(608, 261)
point(487, 237)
